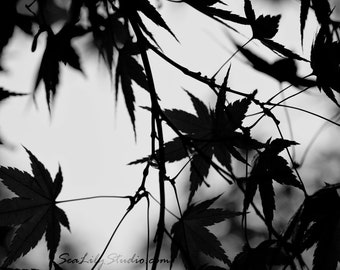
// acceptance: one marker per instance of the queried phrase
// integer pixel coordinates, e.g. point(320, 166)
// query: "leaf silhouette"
point(34, 211)
point(206, 8)
point(269, 166)
point(58, 49)
point(264, 256)
point(282, 70)
point(318, 222)
point(305, 4)
point(213, 132)
point(191, 237)
point(4, 94)
point(130, 8)
point(265, 28)
point(128, 70)
point(325, 55)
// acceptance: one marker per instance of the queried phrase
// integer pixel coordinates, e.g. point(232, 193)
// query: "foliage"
point(213, 138)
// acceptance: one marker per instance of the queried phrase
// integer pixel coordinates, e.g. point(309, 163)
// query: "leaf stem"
point(231, 56)
point(94, 197)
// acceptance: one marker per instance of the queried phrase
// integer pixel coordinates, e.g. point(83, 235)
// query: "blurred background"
point(92, 138)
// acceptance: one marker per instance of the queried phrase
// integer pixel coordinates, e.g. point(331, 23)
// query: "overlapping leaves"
point(58, 50)
point(191, 237)
point(266, 255)
point(282, 70)
point(317, 222)
point(265, 28)
point(269, 166)
point(130, 9)
point(34, 212)
point(215, 132)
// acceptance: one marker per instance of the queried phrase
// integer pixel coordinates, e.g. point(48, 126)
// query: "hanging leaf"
point(34, 211)
point(267, 254)
point(213, 12)
point(213, 133)
point(269, 166)
point(325, 55)
point(317, 222)
point(128, 70)
point(191, 237)
point(282, 70)
point(305, 5)
point(58, 49)
point(130, 8)
point(265, 28)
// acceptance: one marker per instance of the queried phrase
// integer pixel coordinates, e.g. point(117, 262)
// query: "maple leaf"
point(213, 132)
point(267, 254)
point(128, 70)
point(282, 70)
point(322, 10)
point(130, 8)
point(269, 166)
point(325, 55)
point(265, 28)
point(206, 8)
point(318, 223)
point(191, 237)
point(58, 49)
point(34, 211)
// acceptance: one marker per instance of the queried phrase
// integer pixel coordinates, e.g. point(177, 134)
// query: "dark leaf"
point(266, 255)
point(267, 198)
point(34, 211)
point(250, 13)
point(199, 169)
point(130, 7)
point(282, 70)
point(322, 10)
point(201, 110)
point(58, 49)
point(4, 94)
point(281, 50)
point(305, 4)
point(325, 55)
point(128, 70)
point(191, 237)
point(266, 27)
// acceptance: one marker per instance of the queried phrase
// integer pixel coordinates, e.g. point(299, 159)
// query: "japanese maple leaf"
point(191, 237)
point(317, 222)
point(34, 211)
point(269, 166)
point(130, 9)
point(264, 256)
point(265, 28)
point(322, 11)
point(325, 62)
point(207, 8)
point(58, 50)
point(128, 70)
point(212, 132)
point(282, 70)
